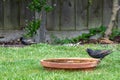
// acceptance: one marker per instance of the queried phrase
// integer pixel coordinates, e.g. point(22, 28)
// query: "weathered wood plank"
point(25, 14)
point(81, 14)
point(67, 15)
point(1, 14)
point(107, 11)
point(14, 14)
point(7, 21)
point(29, 15)
point(22, 14)
point(119, 17)
point(53, 16)
point(11, 14)
point(95, 14)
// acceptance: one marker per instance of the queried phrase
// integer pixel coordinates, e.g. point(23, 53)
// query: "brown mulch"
point(102, 41)
point(16, 43)
point(13, 43)
point(117, 39)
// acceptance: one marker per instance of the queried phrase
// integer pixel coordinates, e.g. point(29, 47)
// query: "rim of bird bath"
point(70, 63)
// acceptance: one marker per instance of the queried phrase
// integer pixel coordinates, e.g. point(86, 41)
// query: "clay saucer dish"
point(70, 63)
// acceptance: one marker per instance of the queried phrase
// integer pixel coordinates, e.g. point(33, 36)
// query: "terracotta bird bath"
point(70, 63)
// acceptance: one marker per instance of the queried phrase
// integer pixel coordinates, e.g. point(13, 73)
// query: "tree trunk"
point(42, 27)
point(115, 10)
point(37, 35)
point(41, 32)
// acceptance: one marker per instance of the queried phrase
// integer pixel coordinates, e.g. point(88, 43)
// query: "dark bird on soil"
point(100, 54)
point(26, 41)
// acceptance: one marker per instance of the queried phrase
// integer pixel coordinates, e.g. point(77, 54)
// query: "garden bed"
point(17, 43)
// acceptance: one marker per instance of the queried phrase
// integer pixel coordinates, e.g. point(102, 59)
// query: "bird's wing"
point(102, 52)
point(105, 51)
point(97, 52)
point(30, 41)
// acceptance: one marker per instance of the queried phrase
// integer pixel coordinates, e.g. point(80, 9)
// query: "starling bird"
point(100, 54)
point(26, 42)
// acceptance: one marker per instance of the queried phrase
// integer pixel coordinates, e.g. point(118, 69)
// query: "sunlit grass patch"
point(23, 63)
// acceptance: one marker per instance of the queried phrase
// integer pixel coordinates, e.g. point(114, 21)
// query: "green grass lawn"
point(24, 63)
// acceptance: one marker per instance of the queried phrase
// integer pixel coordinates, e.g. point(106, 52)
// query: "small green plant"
point(100, 30)
point(115, 32)
point(90, 2)
point(55, 39)
point(83, 37)
point(36, 6)
point(32, 28)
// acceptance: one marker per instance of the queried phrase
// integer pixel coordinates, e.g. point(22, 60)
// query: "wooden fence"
point(14, 14)
point(79, 14)
point(67, 14)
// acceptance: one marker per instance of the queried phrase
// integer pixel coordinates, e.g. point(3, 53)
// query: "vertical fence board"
point(81, 14)
point(29, 15)
point(7, 24)
point(67, 15)
point(107, 12)
point(119, 17)
point(22, 14)
point(119, 20)
point(26, 15)
point(53, 16)
point(1, 15)
point(14, 14)
point(95, 14)
point(11, 14)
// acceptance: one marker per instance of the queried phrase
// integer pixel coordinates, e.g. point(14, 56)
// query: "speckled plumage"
point(100, 54)
point(26, 42)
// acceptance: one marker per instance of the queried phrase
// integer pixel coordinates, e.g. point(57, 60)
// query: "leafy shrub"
point(31, 28)
point(115, 32)
point(83, 37)
point(100, 30)
point(86, 36)
point(38, 5)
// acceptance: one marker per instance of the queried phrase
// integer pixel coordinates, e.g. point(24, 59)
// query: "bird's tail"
point(108, 52)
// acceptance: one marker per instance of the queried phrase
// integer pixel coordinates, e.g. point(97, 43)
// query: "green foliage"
point(100, 30)
point(38, 5)
point(23, 63)
point(83, 37)
point(115, 32)
point(56, 40)
point(48, 8)
point(31, 28)
point(90, 2)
